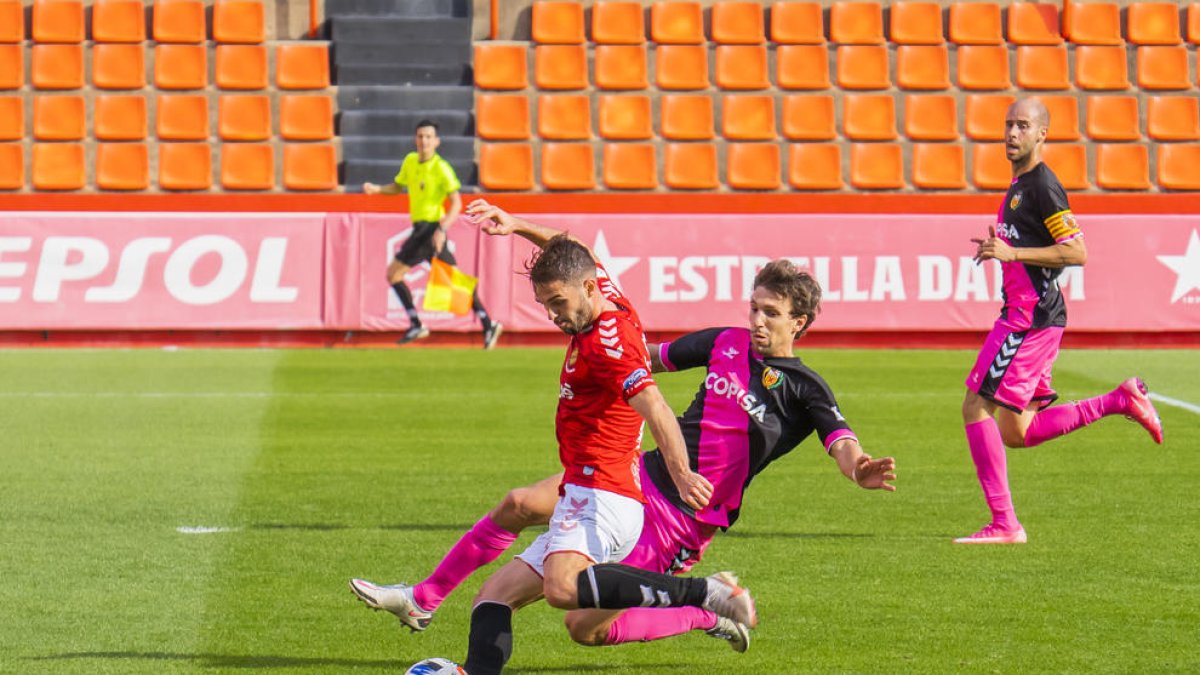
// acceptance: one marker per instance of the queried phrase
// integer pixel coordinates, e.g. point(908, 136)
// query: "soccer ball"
point(435, 666)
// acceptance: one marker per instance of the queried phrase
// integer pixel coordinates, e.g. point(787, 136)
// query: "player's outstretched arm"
point(694, 489)
point(1065, 254)
point(496, 221)
point(870, 474)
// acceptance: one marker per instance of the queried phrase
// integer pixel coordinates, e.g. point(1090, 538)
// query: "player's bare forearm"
point(1066, 254)
point(694, 489)
point(496, 221)
point(865, 471)
point(656, 364)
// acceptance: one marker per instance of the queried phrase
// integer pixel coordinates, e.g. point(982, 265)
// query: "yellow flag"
point(448, 289)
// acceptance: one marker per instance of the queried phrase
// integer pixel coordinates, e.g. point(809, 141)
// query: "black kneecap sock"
point(491, 642)
point(406, 299)
point(616, 586)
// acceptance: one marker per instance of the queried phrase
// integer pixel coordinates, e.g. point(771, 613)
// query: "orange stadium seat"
point(1043, 67)
point(1173, 118)
point(244, 118)
point(621, 67)
point(1179, 166)
point(500, 117)
point(119, 118)
point(59, 166)
point(742, 67)
point(686, 117)
point(1095, 23)
point(242, 67)
point(506, 166)
point(738, 23)
point(184, 166)
point(12, 21)
point(930, 118)
point(239, 21)
point(975, 23)
point(797, 23)
point(1101, 68)
point(1153, 23)
point(122, 166)
point(916, 23)
point(1064, 117)
point(560, 67)
point(690, 166)
point(983, 67)
point(985, 116)
point(12, 66)
point(809, 118)
point(924, 67)
point(302, 66)
point(57, 66)
point(1033, 23)
point(118, 66)
point(57, 21)
point(681, 67)
point(855, 23)
point(12, 118)
point(568, 166)
point(876, 166)
point(938, 166)
point(12, 166)
point(802, 67)
point(863, 67)
point(180, 66)
point(564, 118)
point(1069, 163)
point(625, 118)
point(1113, 118)
point(558, 23)
point(752, 166)
point(677, 23)
point(119, 21)
point(1193, 23)
point(500, 67)
point(1162, 68)
point(181, 118)
point(308, 118)
point(59, 118)
point(310, 166)
point(869, 117)
point(815, 166)
point(618, 23)
point(1122, 166)
point(748, 118)
point(179, 21)
point(990, 168)
point(630, 166)
point(247, 166)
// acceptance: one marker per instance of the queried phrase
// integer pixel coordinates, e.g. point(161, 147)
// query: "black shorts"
point(418, 248)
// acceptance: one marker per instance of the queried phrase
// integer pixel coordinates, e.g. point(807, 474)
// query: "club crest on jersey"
point(771, 378)
point(1015, 201)
point(571, 359)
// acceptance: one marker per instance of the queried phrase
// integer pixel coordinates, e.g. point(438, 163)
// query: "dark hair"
point(426, 123)
point(562, 259)
point(781, 277)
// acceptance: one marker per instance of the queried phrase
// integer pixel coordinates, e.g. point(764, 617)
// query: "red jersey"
point(599, 433)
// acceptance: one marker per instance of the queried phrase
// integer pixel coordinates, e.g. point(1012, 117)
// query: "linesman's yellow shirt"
point(428, 184)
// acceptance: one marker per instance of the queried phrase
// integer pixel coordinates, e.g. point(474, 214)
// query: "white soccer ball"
point(435, 666)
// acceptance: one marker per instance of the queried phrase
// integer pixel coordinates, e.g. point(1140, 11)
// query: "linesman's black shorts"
point(418, 248)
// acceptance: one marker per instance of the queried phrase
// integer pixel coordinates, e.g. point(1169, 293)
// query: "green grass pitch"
point(325, 465)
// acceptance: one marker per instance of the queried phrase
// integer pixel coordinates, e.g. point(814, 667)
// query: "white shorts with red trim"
point(601, 525)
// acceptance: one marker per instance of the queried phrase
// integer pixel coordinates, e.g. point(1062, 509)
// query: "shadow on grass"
point(760, 534)
point(589, 668)
point(331, 527)
point(225, 660)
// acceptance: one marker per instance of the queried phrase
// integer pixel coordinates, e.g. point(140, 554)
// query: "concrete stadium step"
point(392, 29)
point(448, 74)
point(359, 171)
point(394, 148)
point(403, 123)
point(409, 53)
point(405, 98)
point(414, 8)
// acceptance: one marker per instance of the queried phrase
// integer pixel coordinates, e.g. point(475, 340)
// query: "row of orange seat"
point(910, 22)
point(123, 21)
point(862, 117)
point(175, 66)
point(818, 166)
point(181, 166)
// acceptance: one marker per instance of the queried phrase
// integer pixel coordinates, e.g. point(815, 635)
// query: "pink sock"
point(479, 546)
point(642, 624)
point(1063, 419)
point(991, 465)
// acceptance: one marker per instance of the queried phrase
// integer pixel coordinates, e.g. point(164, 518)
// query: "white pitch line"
point(201, 394)
point(201, 529)
point(1190, 407)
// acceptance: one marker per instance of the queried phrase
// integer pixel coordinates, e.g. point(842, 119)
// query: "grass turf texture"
point(334, 464)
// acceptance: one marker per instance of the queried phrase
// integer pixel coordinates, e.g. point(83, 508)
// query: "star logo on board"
point(1186, 268)
point(614, 264)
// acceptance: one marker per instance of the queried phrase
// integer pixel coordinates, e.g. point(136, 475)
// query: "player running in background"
point(429, 180)
point(1008, 390)
point(757, 402)
point(605, 393)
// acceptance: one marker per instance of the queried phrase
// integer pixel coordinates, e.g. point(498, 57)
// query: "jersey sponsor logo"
point(565, 391)
point(635, 378)
point(772, 377)
point(1007, 231)
point(722, 385)
point(1015, 201)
